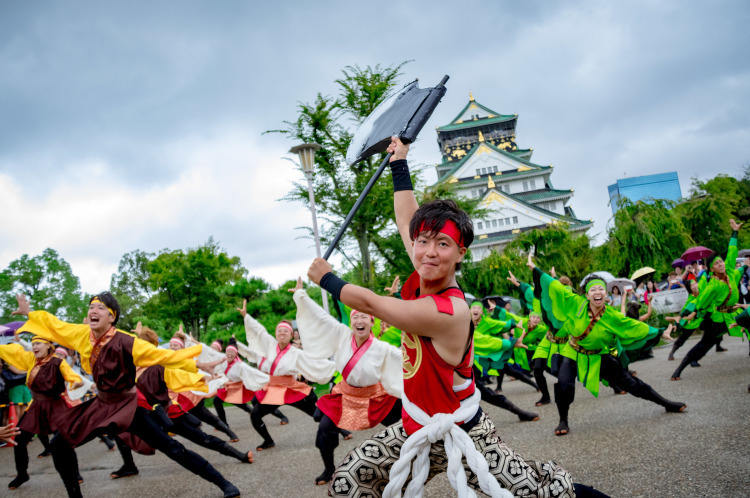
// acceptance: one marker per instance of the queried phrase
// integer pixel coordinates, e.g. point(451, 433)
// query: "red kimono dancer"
point(46, 379)
point(112, 356)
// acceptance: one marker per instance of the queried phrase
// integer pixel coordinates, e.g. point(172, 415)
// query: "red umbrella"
point(696, 253)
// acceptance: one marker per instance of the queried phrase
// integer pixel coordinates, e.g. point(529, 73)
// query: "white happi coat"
point(324, 336)
point(295, 361)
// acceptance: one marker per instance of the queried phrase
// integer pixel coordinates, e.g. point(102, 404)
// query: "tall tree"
point(643, 234)
point(130, 285)
point(49, 283)
point(189, 283)
point(327, 121)
point(707, 211)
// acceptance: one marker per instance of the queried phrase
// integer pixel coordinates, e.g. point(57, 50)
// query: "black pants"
point(327, 438)
point(611, 371)
point(712, 332)
point(259, 411)
point(147, 426)
point(684, 336)
point(203, 414)
point(538, 367)
point(21, 452)
point(517, 373)
point(219, 405)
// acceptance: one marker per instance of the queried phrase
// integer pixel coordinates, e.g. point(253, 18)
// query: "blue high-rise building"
point(661, 186)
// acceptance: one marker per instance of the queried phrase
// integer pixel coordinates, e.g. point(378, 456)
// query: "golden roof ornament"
point(481, 137)
point(471, 96)
point(490, 183)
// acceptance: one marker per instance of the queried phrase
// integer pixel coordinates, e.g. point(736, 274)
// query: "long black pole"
point(369, 186)
point(355, 208)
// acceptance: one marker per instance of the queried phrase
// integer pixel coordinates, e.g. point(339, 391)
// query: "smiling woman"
point(593, 330)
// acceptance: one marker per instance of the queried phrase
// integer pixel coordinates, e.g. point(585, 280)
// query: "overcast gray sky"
point(138, 125)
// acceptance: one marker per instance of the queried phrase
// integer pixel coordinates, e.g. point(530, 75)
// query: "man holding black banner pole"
point(440, 400)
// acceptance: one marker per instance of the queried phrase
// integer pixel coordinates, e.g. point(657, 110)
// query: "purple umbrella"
point(10, 328)
point(696, 253)
point(681, 263)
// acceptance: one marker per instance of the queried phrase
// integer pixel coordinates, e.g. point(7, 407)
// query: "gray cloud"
point(126, 96)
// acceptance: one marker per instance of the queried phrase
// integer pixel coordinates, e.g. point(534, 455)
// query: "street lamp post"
point(306, 154)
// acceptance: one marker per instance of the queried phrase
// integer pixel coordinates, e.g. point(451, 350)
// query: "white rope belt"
point(458, 444)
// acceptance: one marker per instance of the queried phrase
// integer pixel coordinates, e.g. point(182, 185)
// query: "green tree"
point(49, 283)
point(706, 213)
point(130, 285)
point(337, 185)
point(189, 284)
point(643, 234)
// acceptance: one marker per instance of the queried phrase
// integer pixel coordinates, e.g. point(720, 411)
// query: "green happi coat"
point(571, 311)
point(689, 307)
point(491, 349)
point(531, 340)
point(718, 298)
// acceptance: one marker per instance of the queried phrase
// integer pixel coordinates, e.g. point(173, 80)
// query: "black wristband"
point(400, 175)
point(332, 284)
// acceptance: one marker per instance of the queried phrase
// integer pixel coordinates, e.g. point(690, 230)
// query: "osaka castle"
point(481, 157)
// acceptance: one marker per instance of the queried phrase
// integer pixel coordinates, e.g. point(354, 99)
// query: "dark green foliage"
point(49, 283)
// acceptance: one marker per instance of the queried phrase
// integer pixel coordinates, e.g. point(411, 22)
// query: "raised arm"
point(418, 317)
point(259, 341)
point(69, 375)
point(319, 331)
point(556, 300)
point(43, 324)
point(732, 250)
point(404, 202)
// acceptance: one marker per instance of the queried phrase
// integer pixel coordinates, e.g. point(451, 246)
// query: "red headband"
point(216, 343)
point(351, 315)
point(61, 351)
point(232, 347)
point(286, 325)
point(450, 229)
point(177, 341)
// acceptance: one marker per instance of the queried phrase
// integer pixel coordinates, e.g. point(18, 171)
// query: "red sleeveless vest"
point(428, 379)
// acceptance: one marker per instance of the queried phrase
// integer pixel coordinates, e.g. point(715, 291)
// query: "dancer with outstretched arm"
point(593, 329)
point(440, 397)
point(46, 375)
point(112, 356)
point(371, 375)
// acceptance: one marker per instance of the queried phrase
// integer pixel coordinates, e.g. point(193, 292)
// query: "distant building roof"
point(659, 186)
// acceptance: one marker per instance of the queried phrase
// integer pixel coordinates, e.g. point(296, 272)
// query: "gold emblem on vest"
point(411, 349)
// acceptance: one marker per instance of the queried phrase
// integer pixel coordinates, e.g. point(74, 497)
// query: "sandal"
point(562, 428)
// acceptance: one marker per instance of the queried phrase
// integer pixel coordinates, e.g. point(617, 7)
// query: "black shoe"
point(543, 401)
point(230, 490)
point(719, 349)
point(267, 445)
point(324, 478)
point(124, 471)
point(284, 421)
point(562, 428)
point(44, 454)
point(20, 479)
point(675, 406)
point(694, 364)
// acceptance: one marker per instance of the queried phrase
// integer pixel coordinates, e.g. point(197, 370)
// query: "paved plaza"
point(622, 445)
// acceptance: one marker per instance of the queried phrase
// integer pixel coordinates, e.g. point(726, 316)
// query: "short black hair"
point(633, 311)
point(110, 302)
point(432, 216)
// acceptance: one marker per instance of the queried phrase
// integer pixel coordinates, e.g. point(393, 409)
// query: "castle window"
point(515, 220)
point(494, 168)
point(494, 223)
point(507, 221)
point(533, 184)
point(507, 188)
point(525, 186)
point(500, 222)
point(479, 225)
point(484, 171)
point(479, 172)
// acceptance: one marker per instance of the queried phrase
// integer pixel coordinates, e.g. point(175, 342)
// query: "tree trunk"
point(364, 249)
